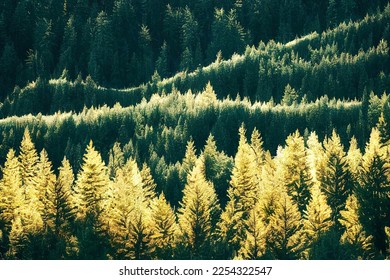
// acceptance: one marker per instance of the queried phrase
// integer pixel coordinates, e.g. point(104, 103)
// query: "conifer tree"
point(290, 96)
point(230, 228)
point(25, 234)
point(285, 236)
point(356, 241)
point(128, 217)
point(65, 205)
point(373, 193)
point(318, 222)
point(198, 212)
point(354, 158)
point(318, 215)
point(315, 155)
point(244, 178)
point(242, 196)
point(10, 197)
point(257, 146)
point(163, 227)
point(92, 195)
point(91, 184)
point(28, 158)
point(254, 245)
point(10, 190)
point(335, 177)
point(188, 161)
point(139, 238)
point(296, 174)
point(217, 167)
point(116, 159)
point(46, 188)
point(148, 184)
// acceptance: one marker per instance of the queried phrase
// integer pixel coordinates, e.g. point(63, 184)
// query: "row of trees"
point(313, 200)
point(120, 43)
point(157, 130)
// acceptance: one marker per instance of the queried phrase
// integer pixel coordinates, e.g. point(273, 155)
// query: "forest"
point(176, 129)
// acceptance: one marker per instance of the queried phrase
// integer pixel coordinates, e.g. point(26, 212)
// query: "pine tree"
point(91, 191)
point(66, 202)
point(244, 179)
point(335, 177)
point(315, 155)
point(198, 212)
point(10, 197)
point(254, 245)
point(128, 217)
point(230, 228)
point(10, 190)
point(257, 146)
point(354, 158)
point(133, 178)
point(217, 167)
point(163, 227)
point(148, 184)
point(358, 244)
point(46, 188)
point(139, 238)
point(65, 205)
point(188, 161)
point(242, 197)
point(116, 159)
point(383, 130)
point(290, 96)
point(285, 236)
point(26, 234)
point(28, 158)
point(162, 63)
point(318, 215)
point(296, 174)
point(317, 222)
point(373, 193)
point(91, 184)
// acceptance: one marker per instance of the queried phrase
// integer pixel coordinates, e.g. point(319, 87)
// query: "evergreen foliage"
point(237, 129)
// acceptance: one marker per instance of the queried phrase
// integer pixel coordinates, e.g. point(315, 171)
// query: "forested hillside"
point(144, 129)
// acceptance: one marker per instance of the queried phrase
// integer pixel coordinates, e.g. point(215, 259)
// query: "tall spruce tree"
point(335, 177)
point(242, 196)
point(28, 158)
point(317, 224)
point(373, 193)
point(357, 243)
point(164, 228)
point(296, 174)
point(285, 235)
point(198, 213)
point(92, 195)
point(10, 198)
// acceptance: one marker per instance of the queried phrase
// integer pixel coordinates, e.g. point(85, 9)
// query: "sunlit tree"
point(356, 241)
point(91, 191)
point(198, 212)
point(286, 236)
point(163, 227)
point(373, 193)
point(335, 177)
point(296, 174)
